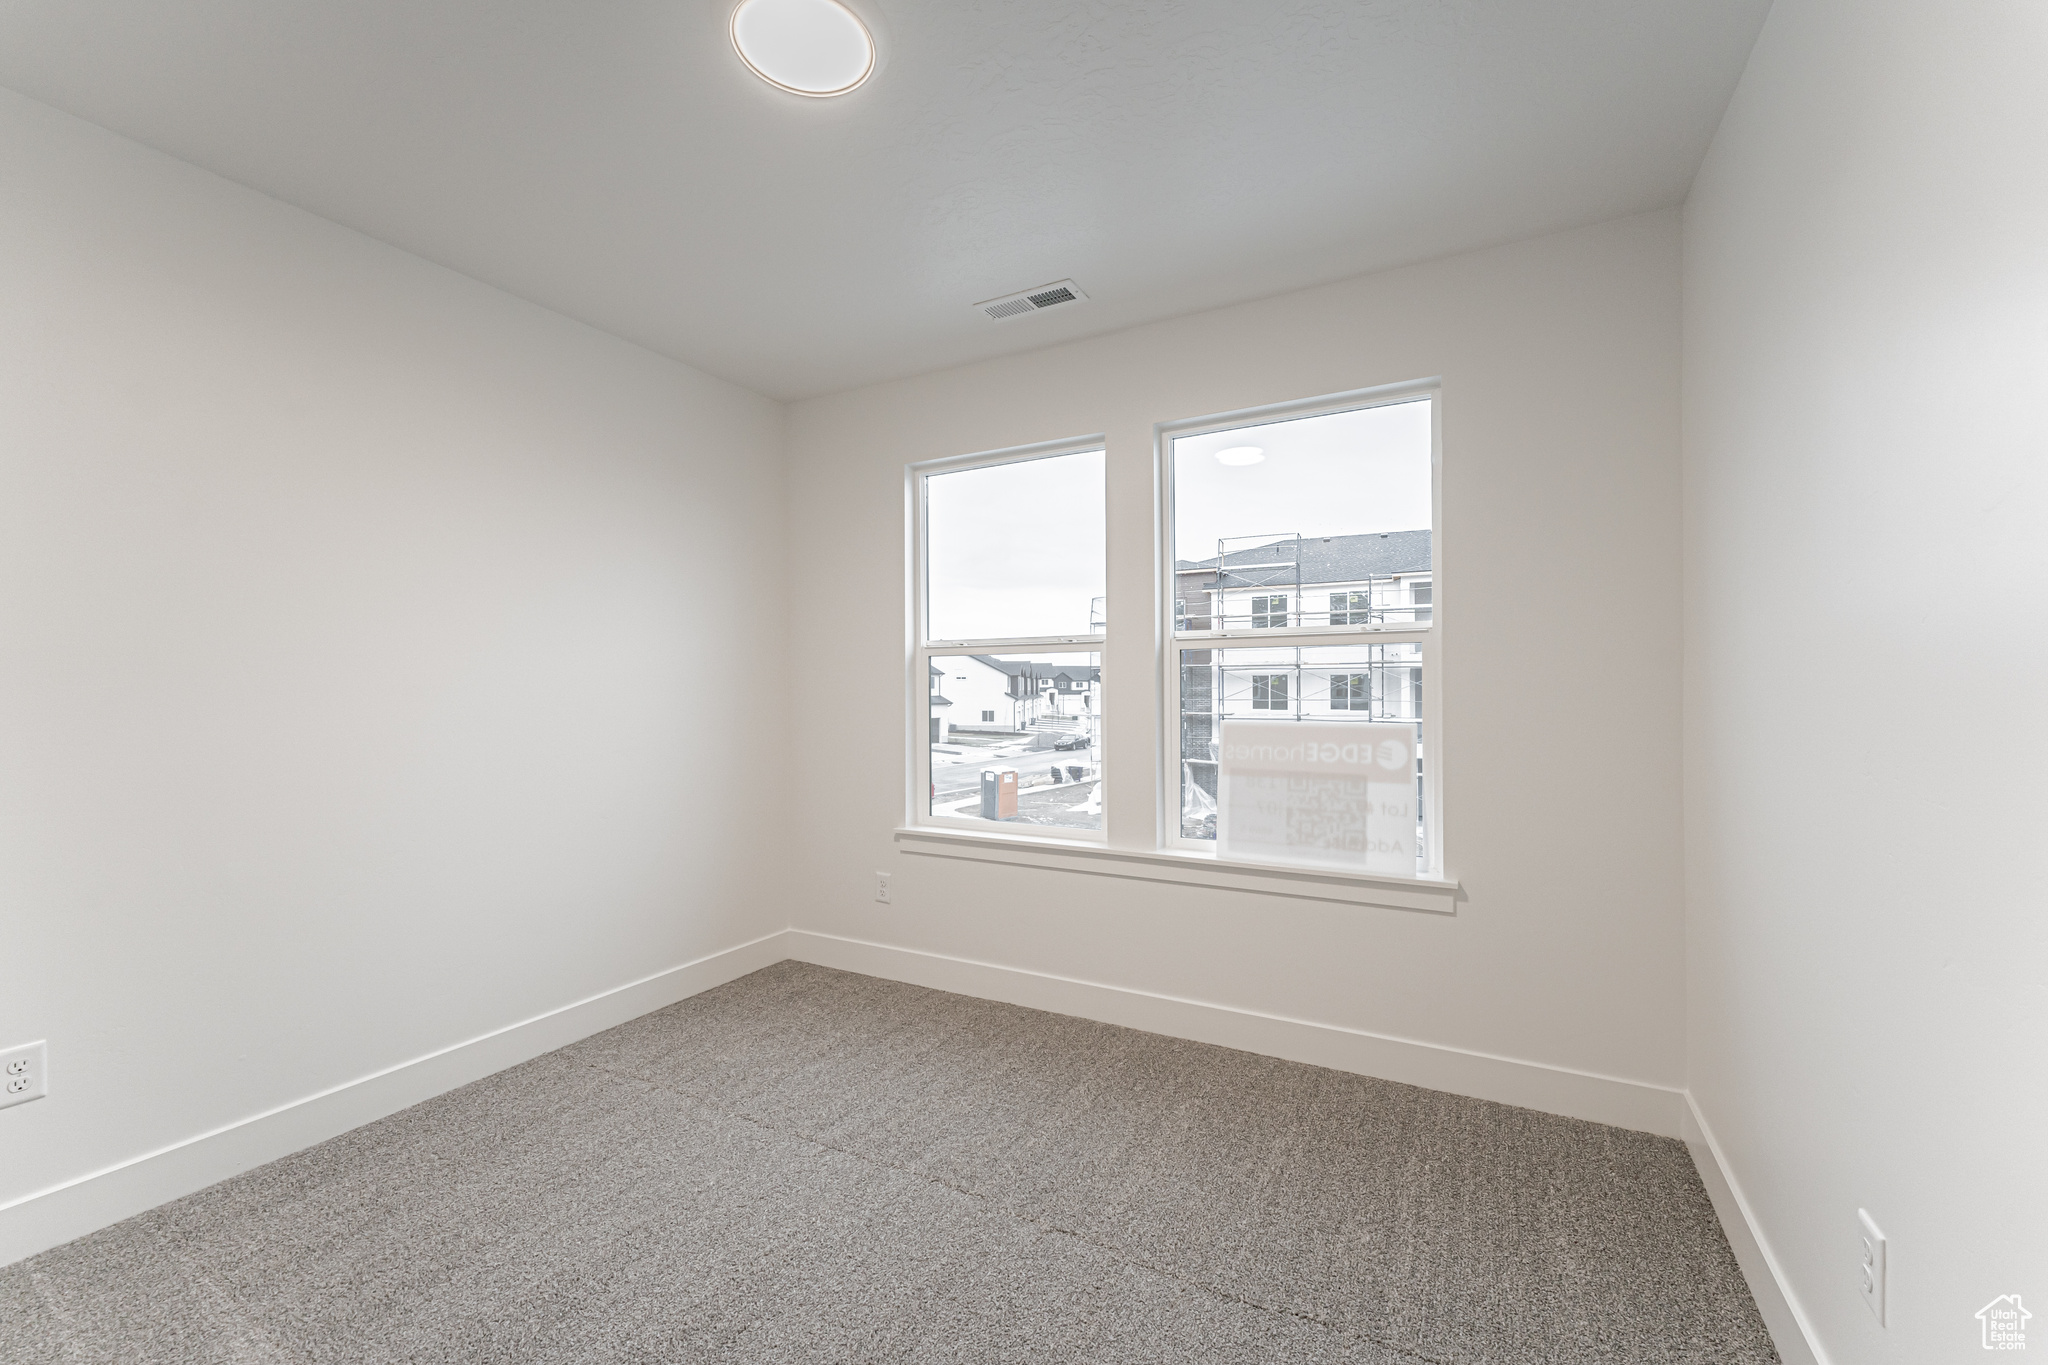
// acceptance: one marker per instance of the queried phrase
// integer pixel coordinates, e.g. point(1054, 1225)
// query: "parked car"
point(1073, 742)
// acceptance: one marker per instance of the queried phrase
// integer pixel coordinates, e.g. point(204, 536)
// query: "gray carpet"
point(807, 1165)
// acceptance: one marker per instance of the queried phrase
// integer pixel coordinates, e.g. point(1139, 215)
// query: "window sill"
point(1426, 894)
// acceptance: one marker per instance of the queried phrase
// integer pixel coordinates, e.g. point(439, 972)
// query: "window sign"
point(1330, 794)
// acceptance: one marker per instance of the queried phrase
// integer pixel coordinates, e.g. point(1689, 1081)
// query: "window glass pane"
point(1333, 508)
point(1342, 683)
point(1015, 550)
point(1017, 739)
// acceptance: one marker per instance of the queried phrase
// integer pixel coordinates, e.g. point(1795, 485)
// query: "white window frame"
point(922, 649)
point(1352, 606)
point(1351, 689)
point(1269, 704)
point(1429, 635)
point(1263, 609)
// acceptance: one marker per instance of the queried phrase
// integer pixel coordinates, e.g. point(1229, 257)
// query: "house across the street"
point(1381, 578)
point(986, 693)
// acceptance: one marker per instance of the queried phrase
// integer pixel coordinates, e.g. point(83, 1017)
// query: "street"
point(958, 775)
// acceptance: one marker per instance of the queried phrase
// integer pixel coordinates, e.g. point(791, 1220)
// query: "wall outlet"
point(24, 1073)
point(882, 887)
point(1870, 1274)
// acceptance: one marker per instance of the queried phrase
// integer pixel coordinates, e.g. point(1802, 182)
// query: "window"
point(1269, 691)
point(1298, 568)
point(1269, 613)
point(1330, 503)
point(1009, 566)
point(1013, 548)
point(1351, 608)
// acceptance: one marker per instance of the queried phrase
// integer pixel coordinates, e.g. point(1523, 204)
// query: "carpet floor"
point(809, 1165)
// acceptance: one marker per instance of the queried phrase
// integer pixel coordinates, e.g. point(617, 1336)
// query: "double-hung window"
point(1009, 578)
point(1322, 502)
point(1292, 733)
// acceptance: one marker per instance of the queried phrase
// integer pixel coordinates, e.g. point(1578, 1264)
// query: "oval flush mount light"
point(807, 47)
point(1240, 455)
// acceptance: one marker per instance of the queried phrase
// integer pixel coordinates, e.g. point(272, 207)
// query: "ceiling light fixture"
point(807, 47)
point(1240, 455)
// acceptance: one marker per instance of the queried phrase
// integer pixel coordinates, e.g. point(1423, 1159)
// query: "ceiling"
point(612, 159)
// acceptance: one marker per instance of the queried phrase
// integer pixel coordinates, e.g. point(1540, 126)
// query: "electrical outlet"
point(24, 1073)
point(1870, 1275)
point(882, 887)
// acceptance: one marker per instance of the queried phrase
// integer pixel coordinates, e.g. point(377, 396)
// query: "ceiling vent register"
point(1032, 300)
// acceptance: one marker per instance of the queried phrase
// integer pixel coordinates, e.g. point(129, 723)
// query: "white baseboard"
point(51, 1217)
point(1791, 1332)
point(1531, 1085)
point(63, 1212)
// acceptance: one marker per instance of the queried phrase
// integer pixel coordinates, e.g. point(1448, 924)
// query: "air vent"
point(1032, 300)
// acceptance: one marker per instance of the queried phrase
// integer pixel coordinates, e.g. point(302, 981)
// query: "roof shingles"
point(1324, 559)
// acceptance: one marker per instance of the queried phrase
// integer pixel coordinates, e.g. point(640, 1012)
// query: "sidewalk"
point(1066, 805)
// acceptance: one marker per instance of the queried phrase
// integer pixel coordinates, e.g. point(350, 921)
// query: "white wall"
point(1559, 360)
point(348, 702)
point(1866, 456)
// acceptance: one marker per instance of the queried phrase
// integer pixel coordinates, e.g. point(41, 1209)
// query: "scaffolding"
point(1262, 585)
point(1255, 584)
point(1377, 682)
point(1272, 572)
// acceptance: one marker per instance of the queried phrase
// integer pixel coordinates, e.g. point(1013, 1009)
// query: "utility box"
point(998, 793)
